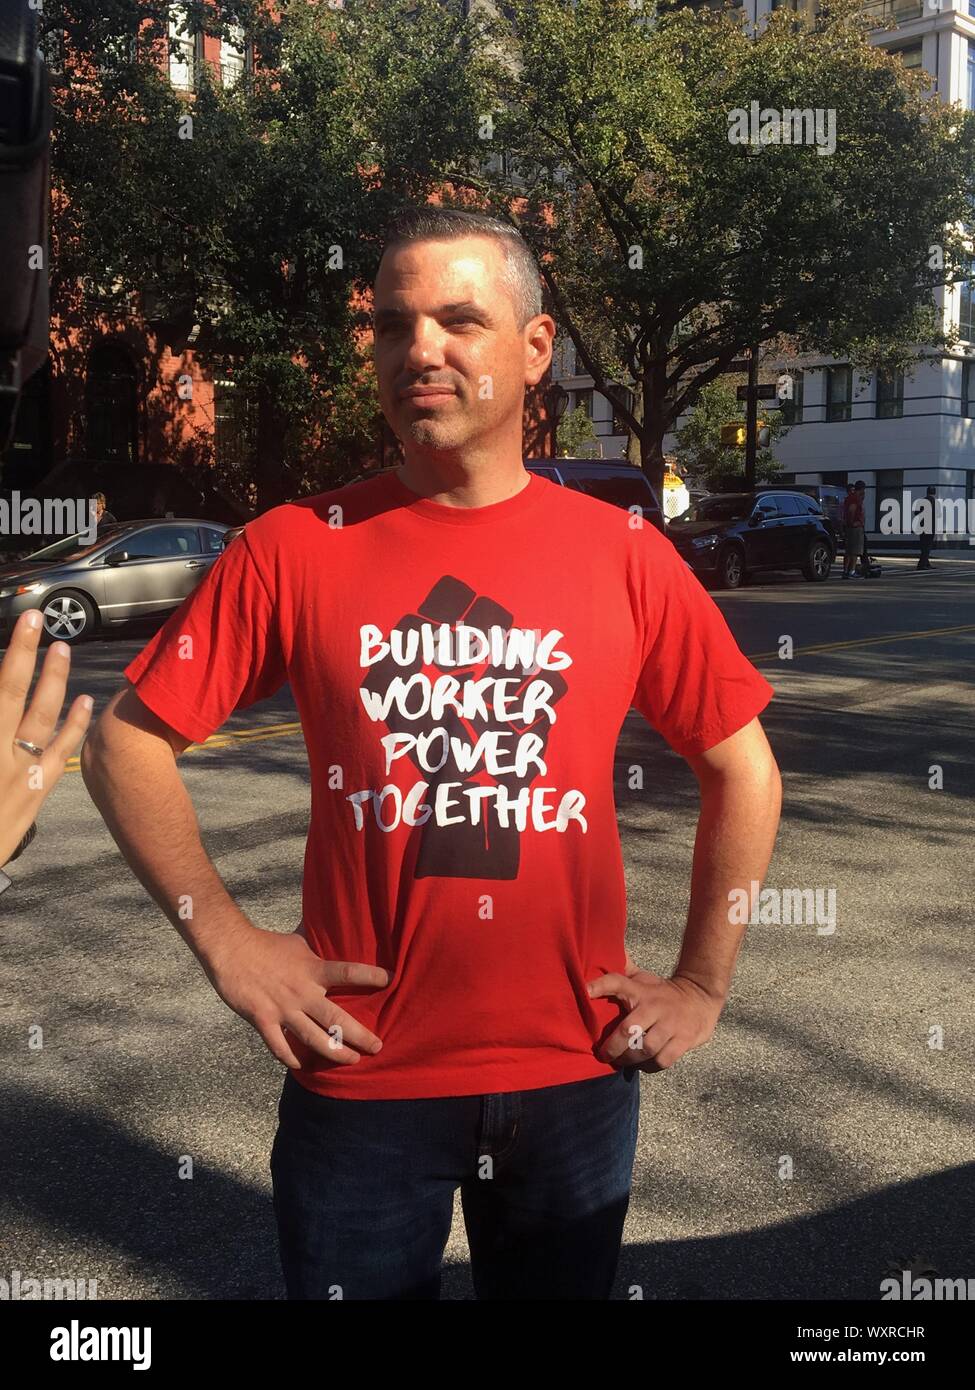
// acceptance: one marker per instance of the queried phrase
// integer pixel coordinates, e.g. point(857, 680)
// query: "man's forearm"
point(132, 778)
point(735, 836)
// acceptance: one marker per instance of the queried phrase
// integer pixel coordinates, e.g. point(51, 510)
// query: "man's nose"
point(425, 347)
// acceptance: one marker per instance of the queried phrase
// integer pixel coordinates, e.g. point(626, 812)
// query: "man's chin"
point(433, 435)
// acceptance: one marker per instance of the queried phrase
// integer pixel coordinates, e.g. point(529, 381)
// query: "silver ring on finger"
point(29, 747)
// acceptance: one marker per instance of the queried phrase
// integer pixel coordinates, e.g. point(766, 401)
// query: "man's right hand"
point(277, 983)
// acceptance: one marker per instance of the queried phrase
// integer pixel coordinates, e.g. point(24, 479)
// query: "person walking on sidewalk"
point(464, 638)
point(853, 529)
point(103, 517)
point(927, 531)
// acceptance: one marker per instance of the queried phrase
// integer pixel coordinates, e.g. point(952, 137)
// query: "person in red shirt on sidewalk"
point(463, 638)
point(853, 529)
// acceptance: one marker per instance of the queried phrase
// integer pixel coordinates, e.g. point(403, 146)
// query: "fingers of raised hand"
point(16, 672)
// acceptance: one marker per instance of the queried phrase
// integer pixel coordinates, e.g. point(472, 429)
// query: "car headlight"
point(21, 589)
point(704, 542)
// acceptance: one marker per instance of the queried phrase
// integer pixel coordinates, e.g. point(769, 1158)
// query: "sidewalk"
point(910, 550)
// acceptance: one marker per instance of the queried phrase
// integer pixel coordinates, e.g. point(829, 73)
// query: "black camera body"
point(25, 138)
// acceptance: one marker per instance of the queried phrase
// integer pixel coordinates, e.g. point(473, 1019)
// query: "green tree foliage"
point(576, 436)
point(668, 250)
point(257, 210)
point(699, 450)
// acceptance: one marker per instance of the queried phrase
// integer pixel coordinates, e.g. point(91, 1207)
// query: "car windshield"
point(718, 509)
point(73, 547)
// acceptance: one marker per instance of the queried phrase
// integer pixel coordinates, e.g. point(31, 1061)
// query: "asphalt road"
point(816, 1144)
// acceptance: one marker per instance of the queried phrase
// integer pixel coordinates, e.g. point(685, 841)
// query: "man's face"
point(451, 362)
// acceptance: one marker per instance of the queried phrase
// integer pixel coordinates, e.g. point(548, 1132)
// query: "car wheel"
point(731, 568)
point(818, 562)
point(68, 616)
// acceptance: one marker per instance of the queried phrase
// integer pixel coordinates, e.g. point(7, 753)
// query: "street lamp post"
point(751, 420)
point(558, 400)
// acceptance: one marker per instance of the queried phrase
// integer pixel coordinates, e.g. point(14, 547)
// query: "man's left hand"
point(667, 1017)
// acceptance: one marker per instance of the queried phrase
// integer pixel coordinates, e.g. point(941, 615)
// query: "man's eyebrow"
point(461, 305)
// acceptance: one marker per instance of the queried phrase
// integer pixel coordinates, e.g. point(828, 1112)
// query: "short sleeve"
point(219, 652)
point(696, 686)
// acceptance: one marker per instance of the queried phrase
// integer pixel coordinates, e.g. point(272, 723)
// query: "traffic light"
point(733, 436)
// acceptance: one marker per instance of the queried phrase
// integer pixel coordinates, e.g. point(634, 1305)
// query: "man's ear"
point(539, 339)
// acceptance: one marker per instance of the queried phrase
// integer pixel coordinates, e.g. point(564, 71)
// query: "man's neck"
point(467, 482)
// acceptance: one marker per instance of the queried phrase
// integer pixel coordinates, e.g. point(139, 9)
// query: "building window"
point(839, 393)
point(967, 393)
point(619, 424)
point(185, 59)
point(970, 498)
point(890, 487)
point(890, 395)
point(235, 425)
point(792, 409)
point(583, 399)
point(235, 56)
point(910, 55)
point(900, 11)
point(966, 319)
point(971, 75)
point(119, 50)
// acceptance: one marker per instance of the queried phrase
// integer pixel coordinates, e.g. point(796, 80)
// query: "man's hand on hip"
point(278, 984)
point(667, 1018)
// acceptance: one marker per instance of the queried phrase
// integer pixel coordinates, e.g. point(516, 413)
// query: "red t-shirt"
point(853, 509)
point(461, 676)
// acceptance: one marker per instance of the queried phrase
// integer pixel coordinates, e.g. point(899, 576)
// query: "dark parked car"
point(729, 536)
point(828, 495)
point(134, 569)
point(611, 480)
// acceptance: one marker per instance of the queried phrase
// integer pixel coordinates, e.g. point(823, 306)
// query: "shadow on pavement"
point(213, 1237)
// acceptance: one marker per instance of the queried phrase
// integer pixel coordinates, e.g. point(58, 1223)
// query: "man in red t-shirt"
point(853, 527)
point(463, 639)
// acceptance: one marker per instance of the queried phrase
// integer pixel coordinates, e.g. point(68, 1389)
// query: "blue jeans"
point(364, 1190)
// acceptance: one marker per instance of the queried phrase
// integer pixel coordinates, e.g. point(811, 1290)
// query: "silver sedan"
point(133, 570)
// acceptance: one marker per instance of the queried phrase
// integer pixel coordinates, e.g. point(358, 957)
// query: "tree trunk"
point(653, 428)
point(652, 458)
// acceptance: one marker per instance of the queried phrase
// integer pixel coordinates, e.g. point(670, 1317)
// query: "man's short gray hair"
point(432, 223)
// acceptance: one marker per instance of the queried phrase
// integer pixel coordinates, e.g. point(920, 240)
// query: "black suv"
point(728, 536)
point(828, 495)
